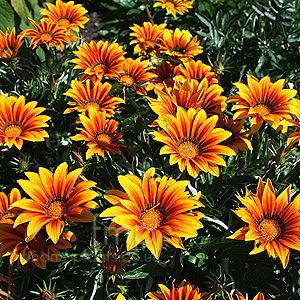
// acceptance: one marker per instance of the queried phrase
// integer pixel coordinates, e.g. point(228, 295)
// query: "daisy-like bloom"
point(174, 6)
point(120, 297)
point(7, 215)
point(239, 296)
point(67, 15)
point(163, 76)
point(55, 199)
point(187, 94)
point(238, 140)
point(14, 243)
point(196, 70)
point(92, 94)
point(293, 137)
point(100, 133)
point(147, 38)
point(99, 59)
point(193, 141)
point(179, 46)
point(154, 209)
point(263, 101)
point(134, 72)
point(20, 121)
point(273, 223)
point(10, 44)
point(48, 33)
point(184, 291)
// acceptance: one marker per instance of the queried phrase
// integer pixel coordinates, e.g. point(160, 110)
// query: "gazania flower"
point(179, 46)
point(10, 44)
point(14, 243)
point(100, 133)
point(99, 59)
point(146, 37)
point(8, 215)
point(187, 94)
point(55, 199)
point(120, 297)
point(273, 223)
point(67, 15)
point(293, 137)
point(238, 140)
point(185, 291)
point(154, 209)
point(193, 141)
point(92, 94)
point(196, 70)
point(239, 296)
point(263, 101)
point(134, 72)
point(20, 121)
point(163, 76)
point(174, 6)
point(48, 33)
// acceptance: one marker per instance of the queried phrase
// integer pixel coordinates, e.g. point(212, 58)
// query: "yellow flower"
point(10, 44)
point(174, 6)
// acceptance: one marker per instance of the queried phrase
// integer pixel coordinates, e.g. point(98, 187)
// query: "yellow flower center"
point(127, 80)
point(269, 229)
point(91, 103)
point(261, 107)
point(46, 36)
point(63, 21)
point(151, 218)
point(103, 140)
point(56, 208)
point(170, 4)
point(12, 129)
point(188, 148)
point(38, 242)
point(99, 68)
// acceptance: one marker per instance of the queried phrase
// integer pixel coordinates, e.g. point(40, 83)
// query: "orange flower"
point(14, 242)
point(100, 133)
point(146, 37)
point(55, 199)
point(20, 121)
point(263, 101)
point(179, 46)
point(8, 215)
point(94, 95)
point(48, 33)
point(99, 59)
point(9, 44)
point(67, 15)
point(238, 139)
point(185, 291)
point(239, 296)
point(154, 209)
point(196, 70)
point(273, 223)
point(193, 141)
point(174, 6)
point(133, 72)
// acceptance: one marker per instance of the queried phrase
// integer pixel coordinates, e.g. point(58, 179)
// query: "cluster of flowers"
point(196, 132)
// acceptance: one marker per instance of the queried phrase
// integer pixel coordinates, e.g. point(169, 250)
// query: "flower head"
point(10, 44)
point(262, 101)
point(273, 223)
point(92, 94)
point(8, 215)
point(55, 199)
point(239, 296)
point(174, 6)
point(154, 209)
point(100, 133)
point(20, 121)
point(67, 15)
point(147, 38)
point(48, 33)
point(99, 59)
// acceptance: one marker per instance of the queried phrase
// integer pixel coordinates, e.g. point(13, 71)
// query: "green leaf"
point(22, 9)
point(144, 271)
point(6, 16)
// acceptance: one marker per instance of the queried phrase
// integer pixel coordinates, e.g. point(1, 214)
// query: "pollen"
point(269, 229)
point(187, 149)
point(63, 21)
point(103, 140)
point(91, 103)
point(46, 36)
point(170, 4)
point(12, 129)
point(38, 242)
point(261, 107)
point(127, 80)
point(151, 219)
point(99, 67)
point(56, 209)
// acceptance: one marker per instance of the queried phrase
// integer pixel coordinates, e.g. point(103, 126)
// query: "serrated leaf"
point(22, 9)
point(6, 16)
